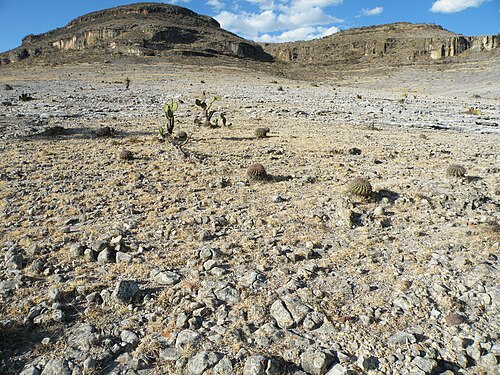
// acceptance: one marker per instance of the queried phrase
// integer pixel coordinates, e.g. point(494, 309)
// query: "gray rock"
point(202, 361)
point(337, 369)
point(169, 354)
point(186, 337)
point(76, 250)
point(368, 363)
point(427, 365)
point(30, 370)
point(164, 277)
point(129, 337)
point(125, 290)
point(228, 294)
point(401, 338)
point(315, 362)
point(122, 257)
point(14, 262)
point(56, 367)
point(7, 286)
point(106, 256)
point(224, 367)
point(260, 365)
point(281, 314)
point(488, 361)
point(54, 294)
point(81, 337)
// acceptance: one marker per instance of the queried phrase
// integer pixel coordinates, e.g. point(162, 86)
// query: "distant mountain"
point(392, 43)
point(141, 29)
point(157, 29)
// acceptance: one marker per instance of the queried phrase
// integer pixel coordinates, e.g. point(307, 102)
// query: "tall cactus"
point(169, 108)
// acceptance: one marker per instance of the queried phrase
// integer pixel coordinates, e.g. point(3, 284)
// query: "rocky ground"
point(174, 262)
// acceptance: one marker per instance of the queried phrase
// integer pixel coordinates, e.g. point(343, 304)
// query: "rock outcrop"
point(142, 29)
point(392, 43)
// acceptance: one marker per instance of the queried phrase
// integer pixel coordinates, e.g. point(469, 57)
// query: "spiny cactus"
point(127, 81)
point(261, 132)
point(169, 109)
point(208, 113)
point(456, 170)
point(360, 186)
point(180, 138)
point(105, 131)
point(126, 155)
point(257, 172)
point(25, 97)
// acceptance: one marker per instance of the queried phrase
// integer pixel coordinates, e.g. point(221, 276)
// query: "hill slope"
point(140, 29)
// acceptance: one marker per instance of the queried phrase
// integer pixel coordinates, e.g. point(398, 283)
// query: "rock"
point(125, 290)
point(427, 365)
point(228, 294)
point(337, 369)
point(202, 361)
point(30, 370)
point(260, 365)
point(122, 257)
point(401, 338)
point(76, 250)
point(7, 286)
point(14, 262)
point(186, 338)
point(129, 337)
point(224, 367)
point(315, 362)
point(54, 294)
point(106, 256)
point(368, 363)
point(488, 361)
point(56, 367)
point(454, 319)
point(169, 354)
point(164, 277)
point(281, 314)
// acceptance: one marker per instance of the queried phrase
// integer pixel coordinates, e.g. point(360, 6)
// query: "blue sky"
point(268, 20)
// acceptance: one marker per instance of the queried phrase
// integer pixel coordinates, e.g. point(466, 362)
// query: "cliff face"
point(140, 29)
point(393, 43)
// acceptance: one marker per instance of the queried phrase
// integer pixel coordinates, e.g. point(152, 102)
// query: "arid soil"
point(175, 262)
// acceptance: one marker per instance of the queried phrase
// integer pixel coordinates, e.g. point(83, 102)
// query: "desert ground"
point(177, 262)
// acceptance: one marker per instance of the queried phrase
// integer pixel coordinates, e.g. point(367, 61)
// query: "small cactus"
point(126, 155)
point(105, 131)
point(256, 172)
point(261, 132)
point(456, 170)
point(25, 97)
point(180, 138)
point(360, 186)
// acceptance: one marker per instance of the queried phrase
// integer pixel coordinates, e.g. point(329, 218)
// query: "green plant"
point(456, 170)
point(360, 186)
point(208, 112)
point(261, 132)
point(25, 97)
point(257, 172)
point(474, 111)
point(169, 109)
point(127, 82)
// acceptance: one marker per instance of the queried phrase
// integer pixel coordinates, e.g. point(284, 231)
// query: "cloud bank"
point(453, 6)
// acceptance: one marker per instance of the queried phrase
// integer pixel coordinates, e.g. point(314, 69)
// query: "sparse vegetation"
point(474, 111)
point(360, 186)
point(257, 172)
point(261, 132)
point(169, 109)
point(207, 115)
point(127, 81)
point(456, 170)
point(25, 97)
point(126, 155)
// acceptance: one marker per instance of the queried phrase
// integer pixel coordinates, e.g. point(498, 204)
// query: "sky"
point(268, 20)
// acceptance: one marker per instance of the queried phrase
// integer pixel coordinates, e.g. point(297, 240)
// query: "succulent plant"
point(456, 170)
point(169, 109)
point(127, 81)
point(207, 113)
point(360, 186)
point(256, 172)
point(25, 97)
point(105, 131)
point(180, 138)
point(8, 87)
point(261, 132)
point(126, 155)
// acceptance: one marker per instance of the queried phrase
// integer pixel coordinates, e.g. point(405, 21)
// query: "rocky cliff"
point(140, 29)
point(396, 43)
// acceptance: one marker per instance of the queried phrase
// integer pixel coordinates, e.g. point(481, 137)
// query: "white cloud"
point(301, 33)
point(281, 20)
point(177, 1)
point(216, 4)
point(453, 6)
point(371, 12)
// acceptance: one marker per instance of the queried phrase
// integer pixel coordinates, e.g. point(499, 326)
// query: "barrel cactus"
point(360, 186)
point(257, 172)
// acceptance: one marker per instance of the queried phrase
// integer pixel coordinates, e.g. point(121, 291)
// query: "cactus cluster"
point(126, 155)
point(208, 113)
point(360, 186)
point(261, 132)
point(257, 172)
point(169, 109)
point(456, 170)
point(25, 97)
